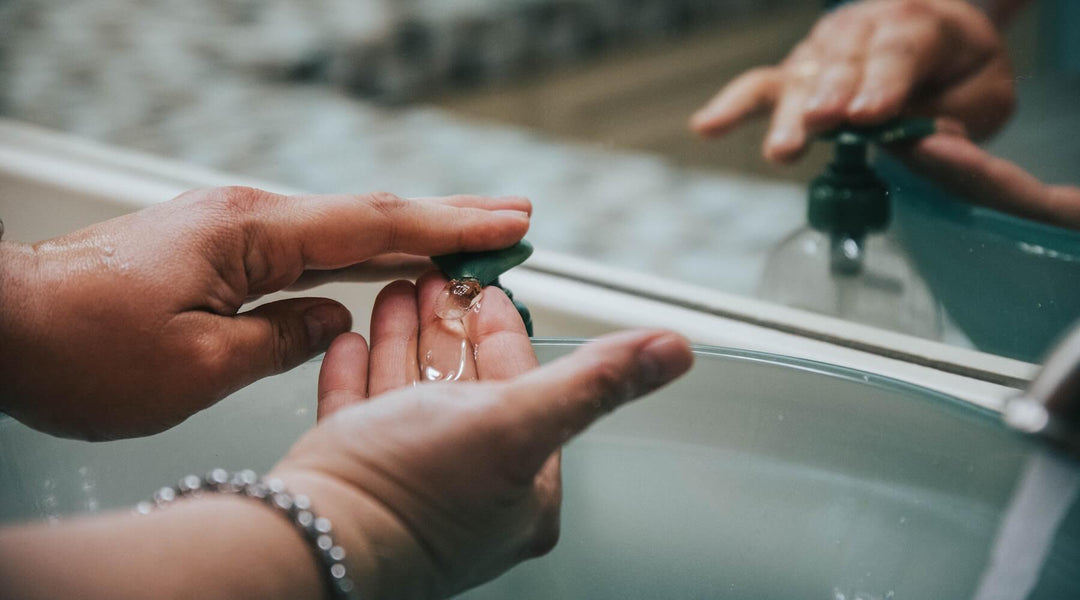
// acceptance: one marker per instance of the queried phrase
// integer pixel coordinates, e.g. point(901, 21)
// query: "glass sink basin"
point(756, 476)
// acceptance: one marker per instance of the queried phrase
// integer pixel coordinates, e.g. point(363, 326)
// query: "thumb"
point(964, 169)
point(278, 336)
point(563, 398)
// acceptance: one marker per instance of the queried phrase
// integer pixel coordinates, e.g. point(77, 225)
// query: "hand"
point(129, 326)
point(871, 61)
point(438, 487)
point(981, 178)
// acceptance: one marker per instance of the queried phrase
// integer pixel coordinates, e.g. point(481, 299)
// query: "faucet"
point(1050, 408)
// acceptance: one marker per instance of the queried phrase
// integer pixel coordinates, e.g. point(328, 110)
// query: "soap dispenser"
point(484, 269)
point(843, 263)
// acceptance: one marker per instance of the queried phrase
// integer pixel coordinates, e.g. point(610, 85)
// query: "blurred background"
point(582, 105)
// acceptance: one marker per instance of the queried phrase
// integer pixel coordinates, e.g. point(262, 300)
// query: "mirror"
point(582, 105)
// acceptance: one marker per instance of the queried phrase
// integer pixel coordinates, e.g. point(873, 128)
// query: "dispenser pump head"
point(848, 200)
point(486, 267)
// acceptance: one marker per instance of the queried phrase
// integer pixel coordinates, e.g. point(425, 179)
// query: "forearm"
point(214, 547)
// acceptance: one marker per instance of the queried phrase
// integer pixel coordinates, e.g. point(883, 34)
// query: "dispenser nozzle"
point(846, 254)
point(486, 267)
point(848, 200)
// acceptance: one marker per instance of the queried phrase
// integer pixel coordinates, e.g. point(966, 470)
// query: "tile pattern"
point(192, 82)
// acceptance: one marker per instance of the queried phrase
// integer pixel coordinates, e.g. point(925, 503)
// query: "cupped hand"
point(868, 62)
point(438, 487)
point(129, 326)
point(979, 177)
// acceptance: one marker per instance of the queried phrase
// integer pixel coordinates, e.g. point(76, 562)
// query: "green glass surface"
point(755, 476)
point(1012, 285)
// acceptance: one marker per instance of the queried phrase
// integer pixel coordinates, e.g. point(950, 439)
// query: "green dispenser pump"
point(486, 267)
point(848, 200)
point(843, 263)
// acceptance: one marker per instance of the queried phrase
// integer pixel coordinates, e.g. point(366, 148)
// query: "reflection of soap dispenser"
point(843, 263)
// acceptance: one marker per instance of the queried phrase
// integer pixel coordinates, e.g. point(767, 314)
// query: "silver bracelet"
point(316, 530)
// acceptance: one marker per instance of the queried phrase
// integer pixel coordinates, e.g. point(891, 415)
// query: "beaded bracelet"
point(316, 530)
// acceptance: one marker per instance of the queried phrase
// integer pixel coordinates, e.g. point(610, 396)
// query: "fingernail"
point(860, 103)
point(323, 323)
point(710, 116)
point(822, 99)
point(950, 126)
point(782, 137)
point(663, 359)
point(517, 214)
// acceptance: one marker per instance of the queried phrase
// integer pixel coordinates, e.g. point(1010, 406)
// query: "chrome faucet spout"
point(1051, 405)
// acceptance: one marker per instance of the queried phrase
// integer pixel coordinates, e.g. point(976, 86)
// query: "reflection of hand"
point(439, 487)
point(129, 326)
point(965, 169)
point(871, 61)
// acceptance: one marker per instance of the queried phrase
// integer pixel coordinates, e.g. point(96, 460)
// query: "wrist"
point(382, 556)
point(259, 553)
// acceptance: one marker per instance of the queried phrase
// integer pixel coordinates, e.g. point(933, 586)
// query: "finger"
point(747, 96)
point(559, 400)
point(284, 235)
point(1063, 202)
point(826, 105)
point(394, 335)
point(787, 137)
point(965, 169)
point(949, 126)
point(518, 203)
point(841, 39)
point(343, 378)
point(502, 346)
point(503, 351)
point(900, 57)
point(381, 268)
point(984, 101)
point(278, 336)
point(444, 351)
